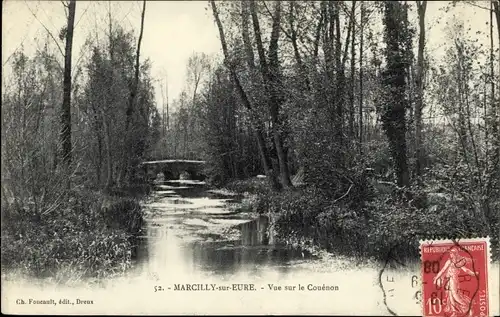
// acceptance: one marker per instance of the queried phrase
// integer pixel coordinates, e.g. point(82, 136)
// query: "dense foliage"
point(386, 144)
point(75, 219)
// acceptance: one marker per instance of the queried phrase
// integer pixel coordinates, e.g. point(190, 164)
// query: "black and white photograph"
point(262, 157)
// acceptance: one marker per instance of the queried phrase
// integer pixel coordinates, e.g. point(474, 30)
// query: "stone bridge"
point(172, 169)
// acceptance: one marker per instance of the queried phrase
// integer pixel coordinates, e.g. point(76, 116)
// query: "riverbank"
point(183, 248)
point(379, 228)
point(89, 236)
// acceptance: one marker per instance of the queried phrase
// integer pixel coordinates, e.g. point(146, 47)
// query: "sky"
point(173, 29)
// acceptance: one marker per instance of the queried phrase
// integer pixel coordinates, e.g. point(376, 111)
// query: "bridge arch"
point(173, 168)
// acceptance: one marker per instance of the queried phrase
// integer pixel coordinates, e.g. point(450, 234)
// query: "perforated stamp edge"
point(455, 241)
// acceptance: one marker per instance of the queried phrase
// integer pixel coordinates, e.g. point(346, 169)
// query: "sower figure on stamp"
point(457, 302)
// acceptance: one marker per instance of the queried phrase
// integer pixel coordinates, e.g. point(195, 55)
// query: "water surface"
point(193, 240)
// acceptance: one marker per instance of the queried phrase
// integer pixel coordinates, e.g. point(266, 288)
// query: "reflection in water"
point(255, 232)
point(176, 243)
point(223, 257)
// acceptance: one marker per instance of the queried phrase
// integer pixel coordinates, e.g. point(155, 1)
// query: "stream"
point(194, 236)
point(193, 229)
point(198, 255)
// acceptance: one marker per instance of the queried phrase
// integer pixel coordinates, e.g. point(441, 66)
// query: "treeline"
point(181, 120)
point(346, 98)
point(73, 133)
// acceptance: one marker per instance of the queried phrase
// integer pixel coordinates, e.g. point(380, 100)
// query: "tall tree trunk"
point(245, 20)
point(167, 114)
point(329, 56)
point(496, 6)
point(317, 36)
point(419, 82)
point(132, 96)
point(272, 83)
point(107, 144)
point(493, 182)
point(361, 42)
point(462, 86)
point(66, 104)
point(106, 123)
point(497, 119)
point(99, 136)
point(298, 57)
point(250, 58)
point(393, 116)
point(353, 69)
point(163, 130)
point(339, 83)
point(257, 128)
point(276, 98)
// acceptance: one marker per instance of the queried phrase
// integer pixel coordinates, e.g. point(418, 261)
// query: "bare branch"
point(15, 51)
point(126, 16)
point(347, 193)
point(65, 5)
point(46, 29)
point(474, 4)
point(83, 14)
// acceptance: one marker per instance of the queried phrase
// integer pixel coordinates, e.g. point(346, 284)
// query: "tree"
point(493, 182)
point(361, 42)
point(132, 96)
point(198, 68)
point(294, 38)
point(419, 83)
point(230, 149)
point(66, 104)
point(335, 60)
point(198, 65)
point(272, 85)
point(257, 128)
point(397, 37)
point(31, 134)
point(352, 25)
point(103, 101)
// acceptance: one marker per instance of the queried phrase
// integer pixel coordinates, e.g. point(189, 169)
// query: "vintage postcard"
point(250, 158)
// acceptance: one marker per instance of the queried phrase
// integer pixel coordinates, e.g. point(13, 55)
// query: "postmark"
point(454, 276)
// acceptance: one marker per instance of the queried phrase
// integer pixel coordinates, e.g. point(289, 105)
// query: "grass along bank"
point(90, 236)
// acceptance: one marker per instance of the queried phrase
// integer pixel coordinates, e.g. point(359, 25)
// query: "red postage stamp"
point(455, 277)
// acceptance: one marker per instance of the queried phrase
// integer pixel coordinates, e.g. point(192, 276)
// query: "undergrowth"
point(92, 235)
point(372, 220)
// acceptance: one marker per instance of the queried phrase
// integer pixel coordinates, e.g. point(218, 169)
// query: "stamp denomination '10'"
point(455, 278)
